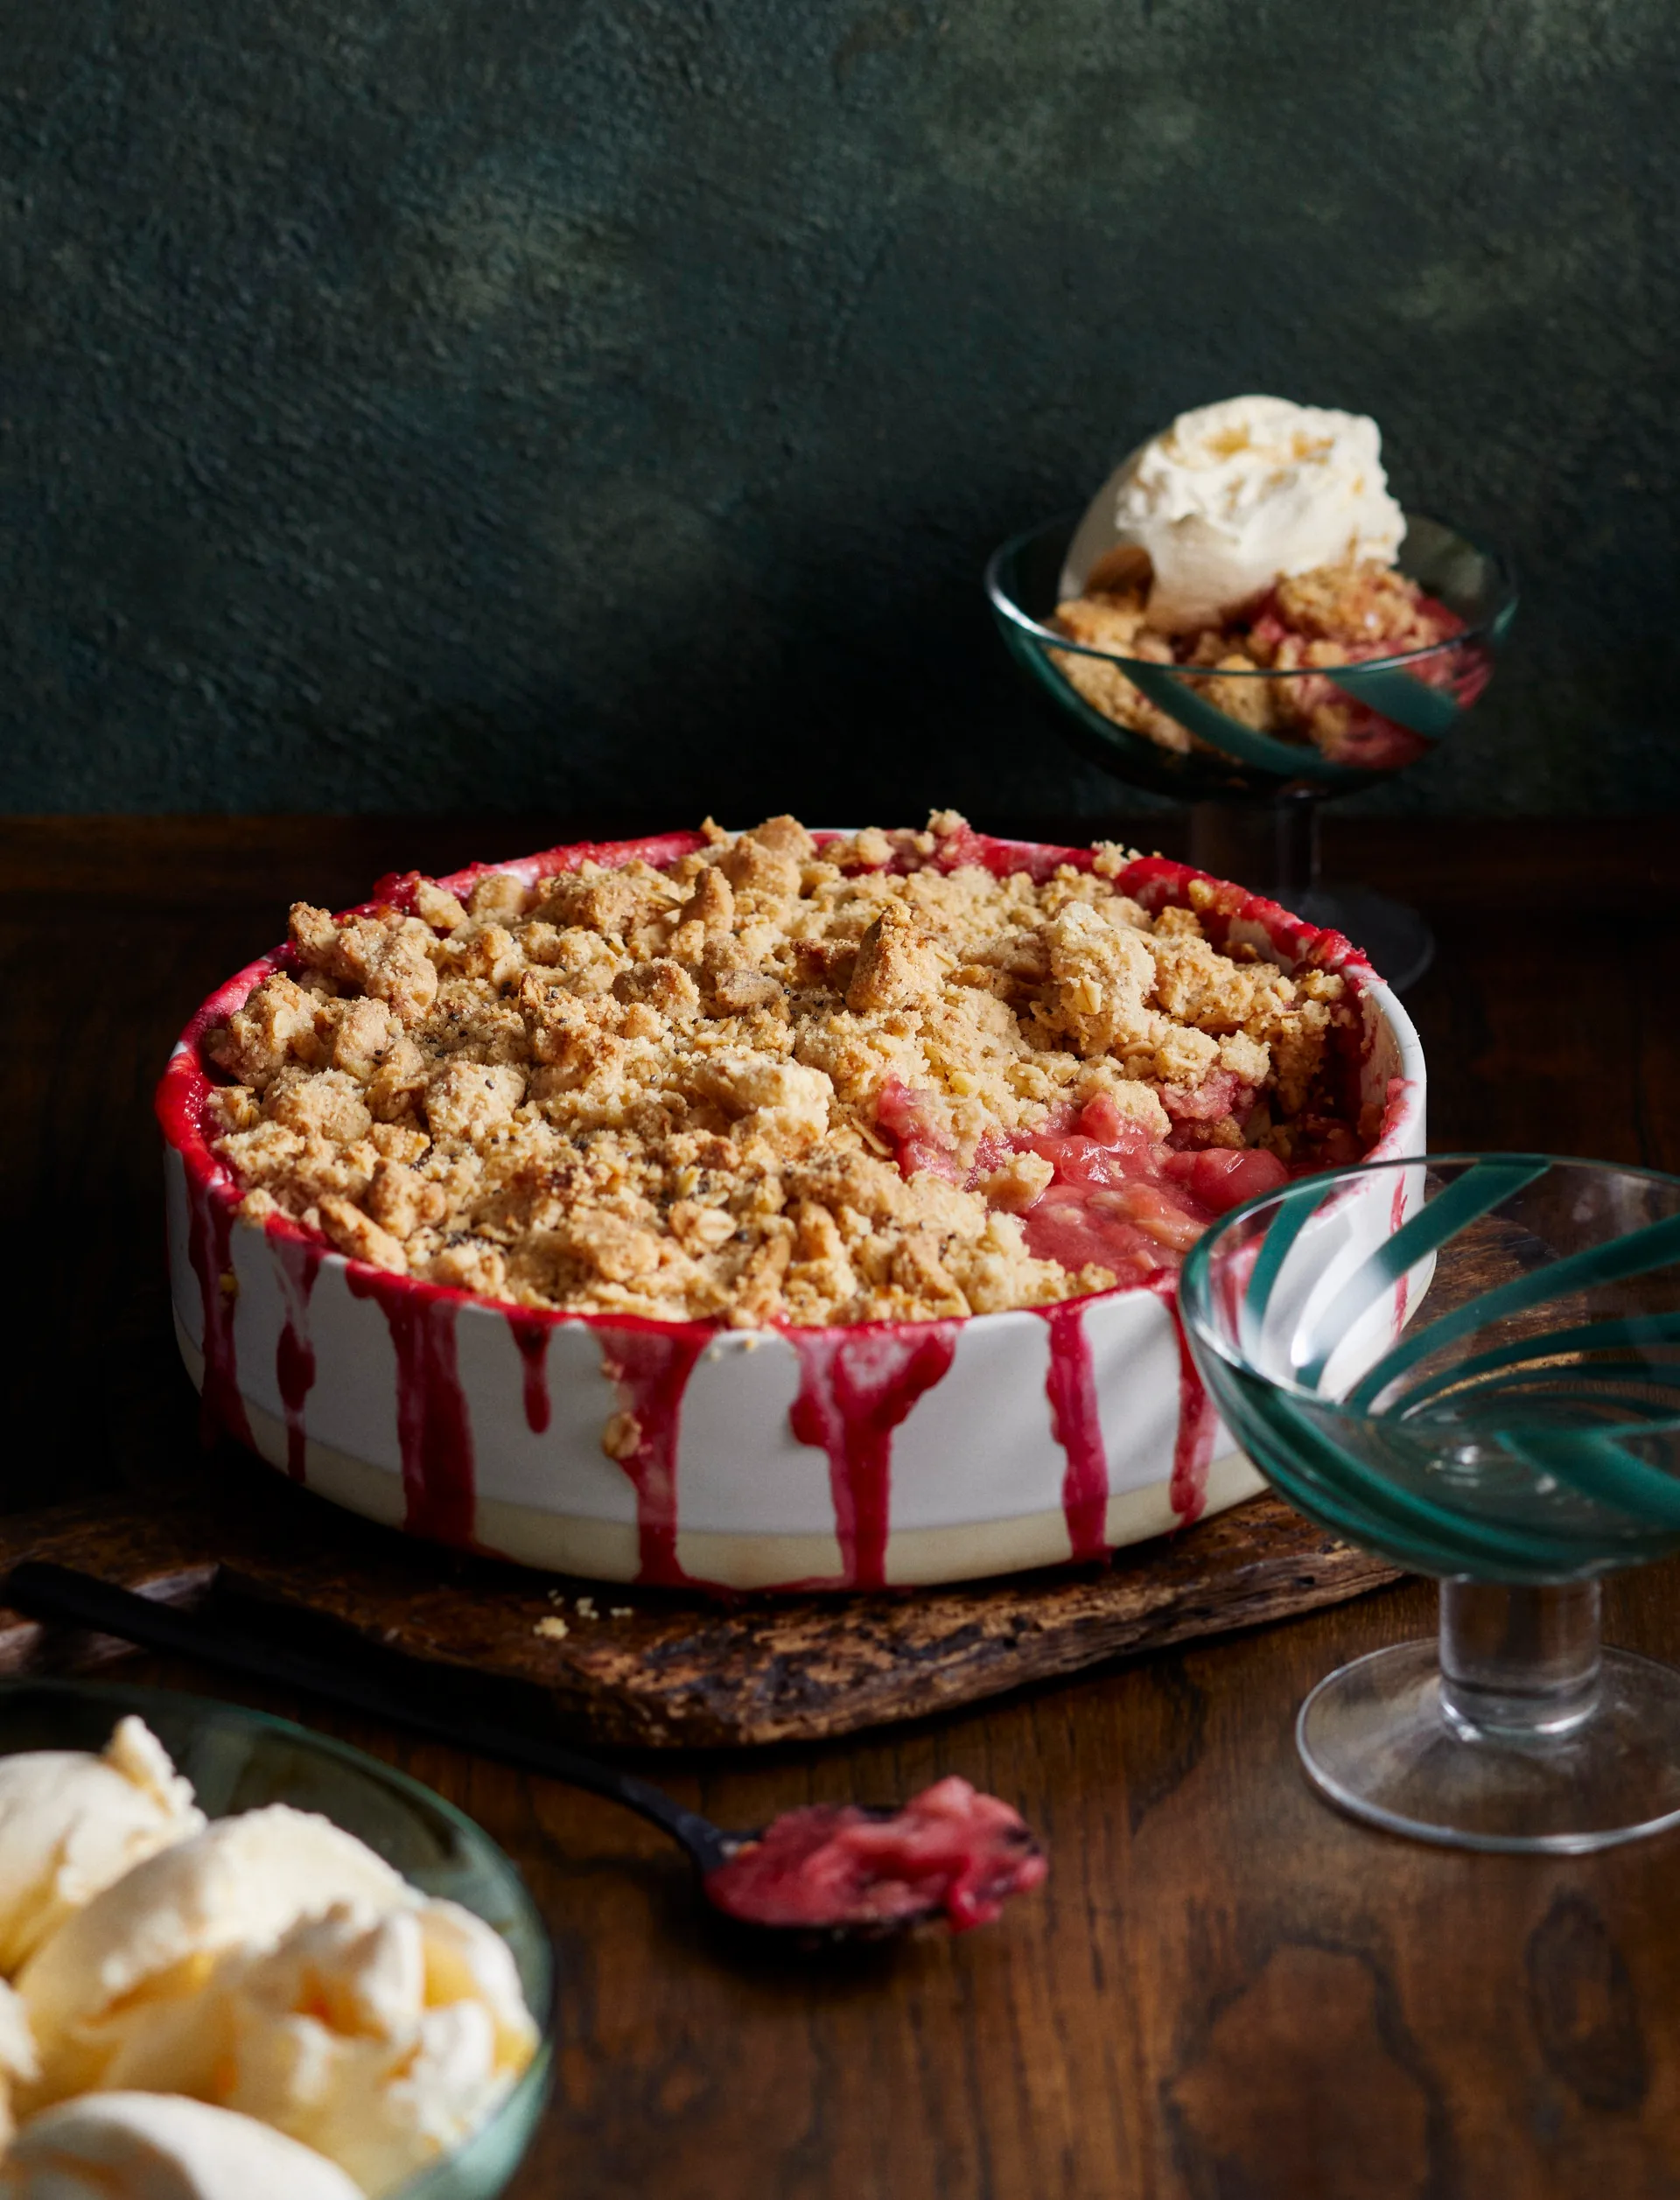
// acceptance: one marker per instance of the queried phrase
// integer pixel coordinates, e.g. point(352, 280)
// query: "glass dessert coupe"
point(1254, 799)
point(240, 1759)
point(1472, 1365)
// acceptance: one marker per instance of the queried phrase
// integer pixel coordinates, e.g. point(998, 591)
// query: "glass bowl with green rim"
point(1471, 1364)
point(240, 1759)
point(1397, 708)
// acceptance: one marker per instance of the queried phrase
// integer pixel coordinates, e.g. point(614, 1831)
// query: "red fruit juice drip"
point(854, 1390)
point(1397, 1216)
point(294, 1359)
point(651, 1368)
point(433, 1430)
point(531, 1333)
point(1071, 1388)
point(1192, 1448)
point(209, 1246)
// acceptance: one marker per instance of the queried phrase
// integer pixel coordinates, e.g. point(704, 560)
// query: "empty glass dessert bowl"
point(1472, 1365)
point(1219, 736)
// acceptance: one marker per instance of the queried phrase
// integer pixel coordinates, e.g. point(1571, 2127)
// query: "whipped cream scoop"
point(1231, 499)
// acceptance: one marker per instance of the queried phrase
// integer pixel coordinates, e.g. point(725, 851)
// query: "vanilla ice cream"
point(115, 1997)
point(382, 2043)
point(19, 2065)
point(155, 2146)
point(1234, 497)
point(71, 1823)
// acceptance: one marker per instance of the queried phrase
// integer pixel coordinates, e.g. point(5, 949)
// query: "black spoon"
point(46, 1592)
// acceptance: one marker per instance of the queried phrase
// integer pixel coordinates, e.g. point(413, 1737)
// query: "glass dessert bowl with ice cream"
point(1245, 619)
point(234, 1998)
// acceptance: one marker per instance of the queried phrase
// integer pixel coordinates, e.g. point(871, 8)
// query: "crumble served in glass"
point(1351, 613)
point(1254, 536)
point(778, 1080)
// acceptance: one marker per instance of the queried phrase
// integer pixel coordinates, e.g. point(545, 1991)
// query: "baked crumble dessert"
point(775, 1080)
point(1254, 535)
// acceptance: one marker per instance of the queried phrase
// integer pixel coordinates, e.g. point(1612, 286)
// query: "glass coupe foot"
point(1471, 1363)
point(1376, 1740)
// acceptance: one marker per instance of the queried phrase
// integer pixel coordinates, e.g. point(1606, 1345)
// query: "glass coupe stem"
point(1270, 847)
point(1295, 847)
point(1519, 1664)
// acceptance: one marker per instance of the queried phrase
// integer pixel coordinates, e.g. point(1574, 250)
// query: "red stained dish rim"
point(1154, 881)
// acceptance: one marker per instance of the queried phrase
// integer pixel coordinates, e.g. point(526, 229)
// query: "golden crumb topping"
point(769, 1082)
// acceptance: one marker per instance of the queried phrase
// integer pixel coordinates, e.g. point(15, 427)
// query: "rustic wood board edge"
point(635, 1669)
point(713, 1677)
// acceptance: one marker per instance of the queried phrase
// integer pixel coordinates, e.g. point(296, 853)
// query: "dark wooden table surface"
point(1224, 1991)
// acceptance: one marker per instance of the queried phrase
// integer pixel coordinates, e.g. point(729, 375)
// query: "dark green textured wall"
point(415, 403)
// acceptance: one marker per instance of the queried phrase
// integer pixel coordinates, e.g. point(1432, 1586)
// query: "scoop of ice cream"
point(115, 1997)
point(155, 2146)
point(1232, 498)
point(71, 1823)
point(382, 2043)
point(19, 2064)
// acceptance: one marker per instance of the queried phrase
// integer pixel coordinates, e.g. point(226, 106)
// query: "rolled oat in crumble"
point(768, 1082)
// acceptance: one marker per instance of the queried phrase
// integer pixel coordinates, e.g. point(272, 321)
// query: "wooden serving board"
point(652, 1669)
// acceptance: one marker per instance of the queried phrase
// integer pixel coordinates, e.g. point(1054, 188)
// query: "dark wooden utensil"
point(62, 1594)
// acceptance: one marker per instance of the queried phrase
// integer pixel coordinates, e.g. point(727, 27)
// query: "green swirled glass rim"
point(1491, 627)
point(1506, 1174)
point(1227, 755)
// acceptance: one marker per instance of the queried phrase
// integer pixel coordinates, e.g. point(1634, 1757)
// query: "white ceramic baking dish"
point(887, 1453)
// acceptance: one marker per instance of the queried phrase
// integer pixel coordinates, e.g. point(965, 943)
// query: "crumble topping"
point(768, 1082)
point(1334, 615)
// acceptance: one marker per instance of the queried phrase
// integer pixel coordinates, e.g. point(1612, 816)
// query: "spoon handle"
point(46, 1592)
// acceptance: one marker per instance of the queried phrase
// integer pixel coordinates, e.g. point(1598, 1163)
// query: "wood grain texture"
point(640, 1669)
point(1225, 1991)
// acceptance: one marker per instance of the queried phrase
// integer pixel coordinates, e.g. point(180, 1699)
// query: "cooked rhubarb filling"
point(834, 1867)
point(773, 1081)
point(1349, 614)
